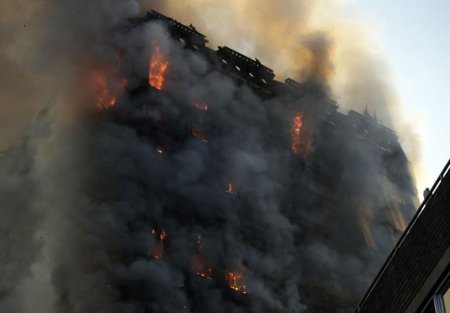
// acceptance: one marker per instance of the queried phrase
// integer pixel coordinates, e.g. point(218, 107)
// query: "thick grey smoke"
point(287, 34)
point(88, 194)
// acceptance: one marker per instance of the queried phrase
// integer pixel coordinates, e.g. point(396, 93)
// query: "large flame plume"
point(158, 67)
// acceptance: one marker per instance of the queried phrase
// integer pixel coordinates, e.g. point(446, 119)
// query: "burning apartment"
point(211, 186)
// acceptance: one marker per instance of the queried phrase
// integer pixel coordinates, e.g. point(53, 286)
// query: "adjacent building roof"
point(419, 260)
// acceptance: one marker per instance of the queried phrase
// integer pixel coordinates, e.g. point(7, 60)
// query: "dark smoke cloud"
point(84, 191)
point(279, 33)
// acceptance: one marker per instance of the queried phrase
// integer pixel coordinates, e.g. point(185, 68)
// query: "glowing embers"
point(200, 106)
point(203, 270)
point(235, 281)
point(230, 189)
point(158, 66)
point(199, 265)
point(107, 87)
point(301, 137)
point(195, 133)
point(297, 124)
point(158, 249)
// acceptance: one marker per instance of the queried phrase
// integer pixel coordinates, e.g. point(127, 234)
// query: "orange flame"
point(157, 69)
point(301, 138)
point(297, 124)
point(235, 281)
point(107, 88)
point(199, 135)
point(200, 106)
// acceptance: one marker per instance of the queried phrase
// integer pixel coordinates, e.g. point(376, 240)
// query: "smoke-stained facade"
point(199, 184)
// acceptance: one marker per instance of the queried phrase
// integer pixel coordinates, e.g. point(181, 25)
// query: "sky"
point(416, 43)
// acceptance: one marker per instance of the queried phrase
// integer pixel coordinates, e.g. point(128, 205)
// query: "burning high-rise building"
point(205, 185)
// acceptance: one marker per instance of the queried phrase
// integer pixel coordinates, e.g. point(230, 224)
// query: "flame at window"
point(157, 69)
point(235, 281)
point(107, 87)
point(301, 136)
point(297, 124)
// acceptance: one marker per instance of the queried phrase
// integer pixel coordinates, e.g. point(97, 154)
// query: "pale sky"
point(416, 39)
